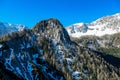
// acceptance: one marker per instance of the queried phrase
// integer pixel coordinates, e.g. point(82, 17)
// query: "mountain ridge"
point(7, 28)
point(106, 25)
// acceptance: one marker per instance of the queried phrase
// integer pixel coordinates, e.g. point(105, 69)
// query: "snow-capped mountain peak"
point(78, 27)
point(21, 27)
point(80, 24)
point(103, 26)
point(6, 28)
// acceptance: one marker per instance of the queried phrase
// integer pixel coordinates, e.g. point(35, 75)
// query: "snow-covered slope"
point(102, 26)
point(6, 28)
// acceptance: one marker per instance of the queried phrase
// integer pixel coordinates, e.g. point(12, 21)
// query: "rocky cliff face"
point(47, 53)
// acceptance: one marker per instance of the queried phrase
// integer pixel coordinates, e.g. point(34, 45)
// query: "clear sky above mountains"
point(29, 12)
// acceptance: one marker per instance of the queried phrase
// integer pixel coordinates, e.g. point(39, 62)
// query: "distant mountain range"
point(6, 28)
point(103, 26)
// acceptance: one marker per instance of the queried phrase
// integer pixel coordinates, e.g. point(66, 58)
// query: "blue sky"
point(29, 12)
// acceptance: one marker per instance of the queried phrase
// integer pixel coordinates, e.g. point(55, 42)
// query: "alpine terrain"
point(46, 52)
point(103, 26)
point(6, 28)
point(102, 35)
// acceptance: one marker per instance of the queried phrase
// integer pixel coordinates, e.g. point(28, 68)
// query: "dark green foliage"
point(111, 43)
point(6, 74)
point(33, 49)
point(113, 51)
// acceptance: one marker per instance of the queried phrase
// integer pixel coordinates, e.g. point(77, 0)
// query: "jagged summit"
point(49, 23)
point(52, 28)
